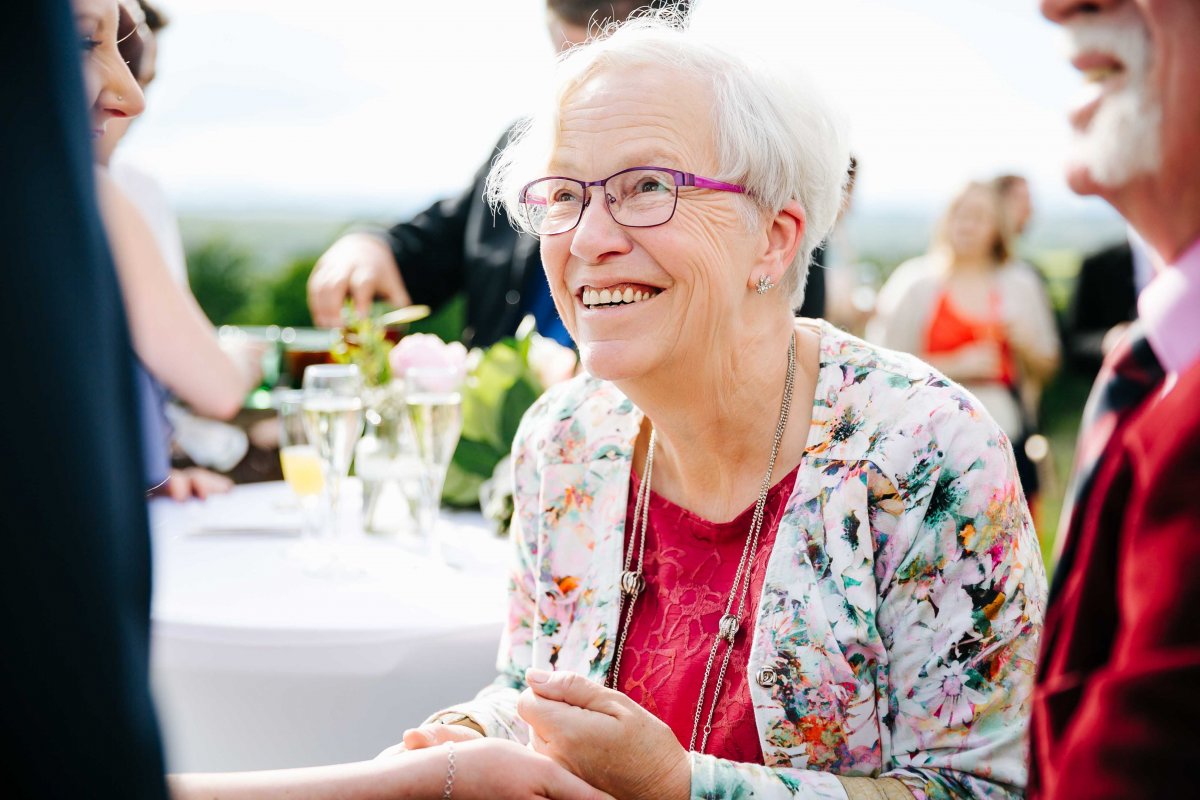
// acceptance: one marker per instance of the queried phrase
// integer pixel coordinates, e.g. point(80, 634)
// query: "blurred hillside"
point(251, 269)
point(256, 255)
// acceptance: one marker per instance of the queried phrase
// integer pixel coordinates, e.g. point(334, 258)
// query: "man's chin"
point(1081, 180)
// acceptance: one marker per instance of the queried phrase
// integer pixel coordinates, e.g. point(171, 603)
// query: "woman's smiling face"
point(691, 273)
point(112, 91)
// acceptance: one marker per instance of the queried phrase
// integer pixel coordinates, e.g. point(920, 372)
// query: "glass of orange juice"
point(299, 459)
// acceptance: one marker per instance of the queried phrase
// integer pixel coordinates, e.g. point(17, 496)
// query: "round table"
point(259, 662)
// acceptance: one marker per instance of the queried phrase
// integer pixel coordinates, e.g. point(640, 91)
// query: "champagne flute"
point(299, 459)
point(333, 420)
point(434, 399)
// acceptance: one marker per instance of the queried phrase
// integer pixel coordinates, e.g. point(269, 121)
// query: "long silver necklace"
point(633, 581)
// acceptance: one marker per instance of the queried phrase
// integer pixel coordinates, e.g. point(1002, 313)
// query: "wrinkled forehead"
point(634, 115)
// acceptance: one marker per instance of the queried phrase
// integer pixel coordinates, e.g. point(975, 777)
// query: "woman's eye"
point(88, 44)
point(564, 197)
point(648, 186)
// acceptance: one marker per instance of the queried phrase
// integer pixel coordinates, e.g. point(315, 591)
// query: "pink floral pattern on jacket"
point(898, 624)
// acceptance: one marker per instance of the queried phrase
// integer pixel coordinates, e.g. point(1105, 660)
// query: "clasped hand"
point(604, 737)
point(598, 734)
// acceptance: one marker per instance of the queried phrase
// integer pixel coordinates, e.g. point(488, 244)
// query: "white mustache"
point(1121, 34)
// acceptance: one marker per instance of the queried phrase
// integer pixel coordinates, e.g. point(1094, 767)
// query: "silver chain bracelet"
point(448, 789)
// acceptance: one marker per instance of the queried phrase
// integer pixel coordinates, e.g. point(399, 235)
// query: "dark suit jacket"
point(1117, 699)
point(456, 245)
point(77, 720)
point(1105, 295)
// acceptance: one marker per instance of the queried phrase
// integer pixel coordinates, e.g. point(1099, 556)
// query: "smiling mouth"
point(617, 295)
point(1098, 68)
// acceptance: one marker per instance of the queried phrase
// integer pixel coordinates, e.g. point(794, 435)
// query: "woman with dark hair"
point(470, 772)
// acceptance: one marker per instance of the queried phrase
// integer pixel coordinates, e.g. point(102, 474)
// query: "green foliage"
point(364, 342)
point(217, 272)
point(1060, 268)
point(284, 299)
point(225, 284)
point(446, 322)
point(500, 389)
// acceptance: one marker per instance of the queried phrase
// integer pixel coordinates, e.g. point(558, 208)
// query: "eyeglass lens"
point(637, 199)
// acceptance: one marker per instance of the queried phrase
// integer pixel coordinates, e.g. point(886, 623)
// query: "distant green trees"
point(232, 292)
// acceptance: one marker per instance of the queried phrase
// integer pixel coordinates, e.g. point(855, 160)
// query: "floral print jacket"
point(899, 618)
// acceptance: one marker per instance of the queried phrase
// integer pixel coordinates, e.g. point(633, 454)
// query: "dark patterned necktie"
point(1129, 374)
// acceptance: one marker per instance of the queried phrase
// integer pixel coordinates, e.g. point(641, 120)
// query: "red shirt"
point(950, 329)
point(689, 567)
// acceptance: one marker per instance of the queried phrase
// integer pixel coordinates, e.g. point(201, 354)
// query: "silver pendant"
point(632, 583)
point(728, 628)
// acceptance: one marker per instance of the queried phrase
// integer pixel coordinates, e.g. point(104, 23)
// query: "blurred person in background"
point(458, 245)
point(977, 315)
point(78, 720)
point(1017, 201)
point(851, 285)
point(682, 624)
point(203, 440)
point(1118, 689)
point(1104, 300)
point(111, 730)
point(176, 345)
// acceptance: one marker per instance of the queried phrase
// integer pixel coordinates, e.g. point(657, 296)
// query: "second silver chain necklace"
point(633, 580)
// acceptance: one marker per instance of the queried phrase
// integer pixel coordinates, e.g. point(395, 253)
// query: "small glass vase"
point(387, 463)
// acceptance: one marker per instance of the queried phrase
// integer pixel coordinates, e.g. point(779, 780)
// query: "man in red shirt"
point(1117, 702)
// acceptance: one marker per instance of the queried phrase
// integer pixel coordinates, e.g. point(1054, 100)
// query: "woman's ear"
point(784, 233)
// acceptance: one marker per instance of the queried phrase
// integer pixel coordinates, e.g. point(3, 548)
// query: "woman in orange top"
point(976, 314)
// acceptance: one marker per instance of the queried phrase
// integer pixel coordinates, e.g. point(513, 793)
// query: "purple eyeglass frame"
point(681, 179)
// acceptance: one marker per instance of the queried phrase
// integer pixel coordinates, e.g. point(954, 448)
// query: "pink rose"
point(551, 361)
point(426, 351)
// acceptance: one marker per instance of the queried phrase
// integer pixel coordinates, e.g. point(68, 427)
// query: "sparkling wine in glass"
point(434, 400)
point(333, 421)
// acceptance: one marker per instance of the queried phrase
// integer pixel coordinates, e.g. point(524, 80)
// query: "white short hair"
point(775, 133)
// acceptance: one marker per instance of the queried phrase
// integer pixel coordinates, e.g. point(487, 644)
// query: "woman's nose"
point(597, 233)
point(121, 94)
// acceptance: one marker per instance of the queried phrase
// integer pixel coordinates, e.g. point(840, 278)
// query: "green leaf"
point(518, 400)
point(462, 488)
point(483, 397)
point(477, 458)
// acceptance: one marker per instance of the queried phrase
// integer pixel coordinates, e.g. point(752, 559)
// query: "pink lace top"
point(689, 567)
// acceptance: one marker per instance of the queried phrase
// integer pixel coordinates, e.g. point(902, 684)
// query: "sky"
point(375, 106)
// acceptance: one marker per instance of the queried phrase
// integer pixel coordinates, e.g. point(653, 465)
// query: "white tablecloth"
point(258, 663)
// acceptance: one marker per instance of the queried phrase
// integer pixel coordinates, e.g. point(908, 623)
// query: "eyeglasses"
point(638, 197)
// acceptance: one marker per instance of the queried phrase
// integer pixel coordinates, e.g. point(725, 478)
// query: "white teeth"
point(1098, 74)
point(601, 297)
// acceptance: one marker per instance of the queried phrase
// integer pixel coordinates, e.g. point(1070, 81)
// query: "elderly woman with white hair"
point(755, 556)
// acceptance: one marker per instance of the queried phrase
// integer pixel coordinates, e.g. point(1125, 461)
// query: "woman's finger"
point(574, 690)
point(435, 734)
